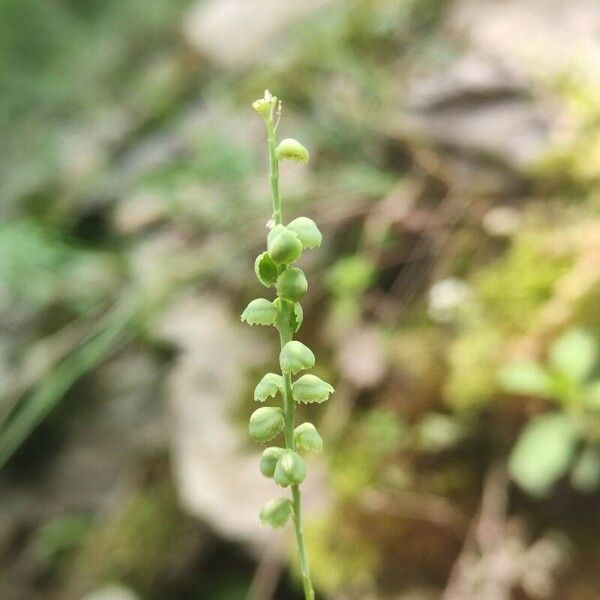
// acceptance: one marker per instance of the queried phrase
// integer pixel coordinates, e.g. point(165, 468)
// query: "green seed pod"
point(310, 388)
point(290, 469)
point(265, 269)
point(307, 231)
point(292, 284)
point(295, 356)
point(307, 438)
point(260, 312)
point(290, 149)
point(265, 423)
point(270, 385)
point(285, 247)
point(276, 512)
point(269, 459)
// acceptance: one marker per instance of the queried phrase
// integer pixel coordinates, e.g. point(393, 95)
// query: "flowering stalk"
point(273, 269)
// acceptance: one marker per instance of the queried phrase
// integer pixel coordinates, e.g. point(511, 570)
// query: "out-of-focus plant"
point(565, 440)
point(285, 244)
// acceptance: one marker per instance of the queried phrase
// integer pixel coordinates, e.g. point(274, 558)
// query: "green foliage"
point(543, 453)
point(545, 450)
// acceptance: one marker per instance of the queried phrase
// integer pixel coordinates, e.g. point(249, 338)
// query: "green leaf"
point(265, 269)
point(269, 459)
point(284, 247)
point(543, 452)
point(290, 469)
point(265, 423)
point(306, 437)
point(307, 231)
point(295, 356)
point(527, 378)
point(292, 284)
point(269, 385)
point(574, 354)
point(585, 475)
point(260, 312)
point(310, 388)
point(276, 512)
point(592, 396)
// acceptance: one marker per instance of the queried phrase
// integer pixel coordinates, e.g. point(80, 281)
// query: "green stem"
point(289, 406)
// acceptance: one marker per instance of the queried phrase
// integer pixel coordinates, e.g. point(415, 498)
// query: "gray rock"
point(237, 33)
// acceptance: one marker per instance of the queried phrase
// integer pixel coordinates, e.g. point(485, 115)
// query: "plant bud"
point(290, 149)
point(260, 312)
point(290, 469)
point(307, 231)
point(310, 388)
point(265, 423)
point(285, 247)
point(307, 438)
point(269, 460)
point(265, 269)
point(276, 512)
point(295, 356)
point(269, 385)
point(292, 285)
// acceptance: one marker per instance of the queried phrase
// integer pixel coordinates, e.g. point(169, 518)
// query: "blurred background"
point(455, 303)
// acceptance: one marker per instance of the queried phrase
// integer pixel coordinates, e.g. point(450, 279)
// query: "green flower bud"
point(290, 149)
point(307, 231)
point(269, 459)
point(310, 388)
point(307, 438)
point(296, 314)
point(265, 423)
point(260, 312)
point(276, 512)
point(292, 285)
point(290, 469)
point(295, 356)
point(265, 269)
point(263, 105)
point(269, 385)
point(285, 247)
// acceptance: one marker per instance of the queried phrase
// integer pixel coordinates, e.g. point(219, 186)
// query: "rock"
point(113, 592)
point(539, 40)
point(477, 109)
point(237, 33)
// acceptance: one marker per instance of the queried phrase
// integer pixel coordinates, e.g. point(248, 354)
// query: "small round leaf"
point(269, 385)
point(260, 312)
point(307, 231)
point(265, 423)
point(307, 438)
point(290, 149)
point(269, 459)
point(265, 269)
point(310, 388)
point(292, 284)
point(295, 356)
point(285, 247)
point(290, 469)
point(276, 512)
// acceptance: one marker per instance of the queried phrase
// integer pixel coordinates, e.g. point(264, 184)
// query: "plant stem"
point(285, 335)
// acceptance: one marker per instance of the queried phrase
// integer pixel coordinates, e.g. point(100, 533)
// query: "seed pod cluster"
point(275, 268)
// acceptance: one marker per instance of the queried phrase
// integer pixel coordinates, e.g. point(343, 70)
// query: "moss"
point(513, 289)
